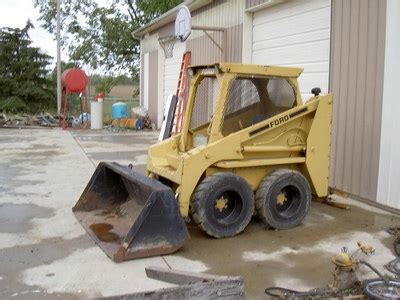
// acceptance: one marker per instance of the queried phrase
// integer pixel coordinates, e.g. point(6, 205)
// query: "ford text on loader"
point(248, 145)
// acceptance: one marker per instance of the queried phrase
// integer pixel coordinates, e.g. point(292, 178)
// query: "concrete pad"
point(299, 258)
point(44, 252)
point(89, 271)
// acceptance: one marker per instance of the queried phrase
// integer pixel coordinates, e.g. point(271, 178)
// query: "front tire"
point(283, 199)
point(222, 205)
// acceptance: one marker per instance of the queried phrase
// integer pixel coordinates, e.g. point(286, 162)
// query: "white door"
point(295, 33)
point(172, 67)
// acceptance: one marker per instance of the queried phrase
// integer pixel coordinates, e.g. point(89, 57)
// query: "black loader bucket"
point(129, 215)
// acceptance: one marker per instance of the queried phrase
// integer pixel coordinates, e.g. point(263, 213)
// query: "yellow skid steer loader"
point(248, 143)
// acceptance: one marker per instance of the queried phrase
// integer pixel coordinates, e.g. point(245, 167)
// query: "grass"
point(74, 106)
point(107, 106)
point(119, 93)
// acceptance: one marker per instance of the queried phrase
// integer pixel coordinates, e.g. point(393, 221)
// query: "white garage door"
point(295, 33)
point(172, 67)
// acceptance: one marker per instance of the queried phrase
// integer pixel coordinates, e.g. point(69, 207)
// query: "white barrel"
point(96, 112)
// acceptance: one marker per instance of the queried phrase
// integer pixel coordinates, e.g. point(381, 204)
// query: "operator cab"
point(248, 100)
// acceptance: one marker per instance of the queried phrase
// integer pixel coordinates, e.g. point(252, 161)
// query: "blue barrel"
point(119, 110)
point(139, 124)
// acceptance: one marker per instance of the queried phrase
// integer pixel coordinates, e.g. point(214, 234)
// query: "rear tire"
point(283, 199)
point(222, 205)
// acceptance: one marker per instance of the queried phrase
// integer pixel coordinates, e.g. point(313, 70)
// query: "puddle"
point(16, 218)
point(103, 232)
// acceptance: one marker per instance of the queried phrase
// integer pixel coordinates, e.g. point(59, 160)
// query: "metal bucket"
point(129, 215)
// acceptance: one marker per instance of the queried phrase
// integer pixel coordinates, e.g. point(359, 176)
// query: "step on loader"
point(248, 144)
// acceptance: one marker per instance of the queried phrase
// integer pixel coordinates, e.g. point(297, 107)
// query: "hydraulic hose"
point(375, 270)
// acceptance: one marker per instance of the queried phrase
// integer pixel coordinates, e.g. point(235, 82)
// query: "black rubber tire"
point(296, 204)
point(234, 217)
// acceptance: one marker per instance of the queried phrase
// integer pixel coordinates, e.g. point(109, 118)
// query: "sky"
point(15, 13)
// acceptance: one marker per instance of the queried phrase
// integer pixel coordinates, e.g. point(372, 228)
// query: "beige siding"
point(356, 79)
point(204, 51)
point(219, 13)
point(153, 85)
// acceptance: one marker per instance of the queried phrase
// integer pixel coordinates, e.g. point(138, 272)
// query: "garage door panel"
point(294, 54)
point(292, 39)
point(171, 69)
point(314, 20)
point(295, 33)
point(287, 10)
point(310, 81)
point(313, 67)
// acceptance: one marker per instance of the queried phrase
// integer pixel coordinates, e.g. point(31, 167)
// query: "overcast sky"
point(15, 13)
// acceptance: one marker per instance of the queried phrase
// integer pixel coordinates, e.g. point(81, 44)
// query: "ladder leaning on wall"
point(181, 93)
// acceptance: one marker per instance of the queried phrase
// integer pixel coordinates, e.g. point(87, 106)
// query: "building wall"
point(363, 151)
point(204, 51)
point(147, 45)
point(389, 166)
point(219, 13)
point(150, 42)
point(356, 80)
point(153, 84)
point(141, 78)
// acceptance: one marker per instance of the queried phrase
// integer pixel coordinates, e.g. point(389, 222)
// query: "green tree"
point(106, 84)
point(64, 66)
point(25, 84)
point(102, 36)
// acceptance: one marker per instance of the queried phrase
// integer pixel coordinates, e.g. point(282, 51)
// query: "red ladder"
point(181, 93)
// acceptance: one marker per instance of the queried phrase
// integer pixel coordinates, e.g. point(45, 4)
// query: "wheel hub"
point(221, 203)
point(281, 198)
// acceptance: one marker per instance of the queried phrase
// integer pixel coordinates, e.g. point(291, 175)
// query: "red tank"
point(74, 80)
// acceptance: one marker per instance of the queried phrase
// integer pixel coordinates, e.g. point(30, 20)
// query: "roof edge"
point(168, 17)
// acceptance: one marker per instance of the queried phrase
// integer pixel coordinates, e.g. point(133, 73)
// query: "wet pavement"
point(45, 253)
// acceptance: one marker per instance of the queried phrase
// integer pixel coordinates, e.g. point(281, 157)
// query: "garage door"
point(295, 33)
point(171, 69)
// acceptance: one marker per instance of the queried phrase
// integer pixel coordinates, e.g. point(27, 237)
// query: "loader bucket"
point(129, 215)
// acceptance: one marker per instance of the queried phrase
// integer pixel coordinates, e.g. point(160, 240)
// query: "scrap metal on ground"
point(190, 286)
point(346, 284)
point(395, 231)
point(25, 120)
